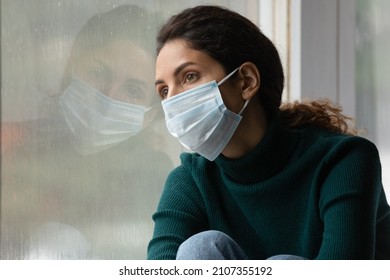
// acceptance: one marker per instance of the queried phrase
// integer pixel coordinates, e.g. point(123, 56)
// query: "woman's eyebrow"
point(182, 66)
point(177, 71)
point(157, 82)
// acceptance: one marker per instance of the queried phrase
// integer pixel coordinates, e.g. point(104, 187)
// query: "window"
point(80, 180)
point(372, 83)
point(339, 51)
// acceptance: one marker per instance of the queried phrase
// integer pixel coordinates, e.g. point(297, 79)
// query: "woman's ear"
point(250, 77)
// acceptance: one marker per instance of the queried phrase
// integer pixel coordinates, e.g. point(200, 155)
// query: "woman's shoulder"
point(335, 141)
point(193, 161)
point(185, 180)
point(190, 165)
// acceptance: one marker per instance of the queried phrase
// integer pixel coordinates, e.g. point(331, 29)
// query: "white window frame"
point(322, 46)
point(315, 39)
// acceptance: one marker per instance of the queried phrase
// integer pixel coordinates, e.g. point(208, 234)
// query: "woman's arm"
point(180, 214)
point(349, 200)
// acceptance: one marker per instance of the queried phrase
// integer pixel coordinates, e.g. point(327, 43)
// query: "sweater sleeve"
point(179, 215)
point(350, 188)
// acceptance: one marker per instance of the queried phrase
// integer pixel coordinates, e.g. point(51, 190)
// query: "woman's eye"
point(163, 92)
point(190, 77)
point(135, 95)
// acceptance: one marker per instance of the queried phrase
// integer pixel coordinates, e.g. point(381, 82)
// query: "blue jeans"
point(216, 245)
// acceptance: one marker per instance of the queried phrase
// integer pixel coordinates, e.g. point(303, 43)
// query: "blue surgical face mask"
point(199, 119)
point(96, 121)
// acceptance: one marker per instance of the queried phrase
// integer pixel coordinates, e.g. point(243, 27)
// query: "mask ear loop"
point(243, 108)
point(228, 76)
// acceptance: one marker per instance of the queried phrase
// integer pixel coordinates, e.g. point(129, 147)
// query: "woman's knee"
point(207, 238)
point(210, 244)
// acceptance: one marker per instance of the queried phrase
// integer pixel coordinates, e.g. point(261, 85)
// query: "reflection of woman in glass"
point(99, 183)
point(108, 79)
point(108, 104)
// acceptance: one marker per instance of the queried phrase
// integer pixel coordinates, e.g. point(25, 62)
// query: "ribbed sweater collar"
point(268, 157)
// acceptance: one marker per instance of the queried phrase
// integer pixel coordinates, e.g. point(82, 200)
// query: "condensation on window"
point(84, 148)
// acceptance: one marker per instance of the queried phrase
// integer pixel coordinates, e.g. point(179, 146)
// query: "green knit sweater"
point(305, 192)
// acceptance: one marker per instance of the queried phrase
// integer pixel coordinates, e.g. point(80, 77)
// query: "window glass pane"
point(372, 76)
point(84, 148)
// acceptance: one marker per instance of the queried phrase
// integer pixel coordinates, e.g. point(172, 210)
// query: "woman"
point(265, 181)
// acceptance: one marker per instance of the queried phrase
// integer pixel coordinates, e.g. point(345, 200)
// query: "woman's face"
point(180, 68)
point(120, 70)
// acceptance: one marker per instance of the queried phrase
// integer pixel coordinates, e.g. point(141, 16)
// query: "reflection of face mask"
point(199, 119)
point(97, 121)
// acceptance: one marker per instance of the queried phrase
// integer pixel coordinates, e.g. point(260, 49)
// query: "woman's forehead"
point(178, 52)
